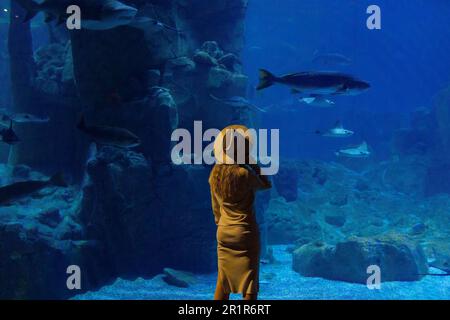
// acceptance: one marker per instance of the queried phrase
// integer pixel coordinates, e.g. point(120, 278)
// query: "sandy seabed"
point(285, 284)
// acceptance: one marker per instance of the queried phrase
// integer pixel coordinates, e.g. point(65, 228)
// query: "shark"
point(95, 14)
point(313, 84)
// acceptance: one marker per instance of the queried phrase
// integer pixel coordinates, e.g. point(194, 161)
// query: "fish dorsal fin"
point(338, 125)
point(363, 146)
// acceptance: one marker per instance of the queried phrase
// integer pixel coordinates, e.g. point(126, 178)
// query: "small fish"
point(337, 131)
point(331, 59)
point(311, 84)
point(318, 101)
point(8, 135)
point(21, 189)
point(109, 136)
point(238, 102)
point(361, 151)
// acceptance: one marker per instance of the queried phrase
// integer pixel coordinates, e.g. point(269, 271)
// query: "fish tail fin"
point(266, 79)
point(81, 124)
point(58, 180)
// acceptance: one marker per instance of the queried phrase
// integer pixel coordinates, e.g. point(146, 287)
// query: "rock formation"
point(134, 212)
point(398, 259)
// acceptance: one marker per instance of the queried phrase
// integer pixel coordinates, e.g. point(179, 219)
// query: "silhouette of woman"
point(234, 181)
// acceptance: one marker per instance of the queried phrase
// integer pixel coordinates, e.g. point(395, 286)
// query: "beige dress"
point(238, 246)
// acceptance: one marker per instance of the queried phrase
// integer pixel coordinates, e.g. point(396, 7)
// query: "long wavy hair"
point(223, 176)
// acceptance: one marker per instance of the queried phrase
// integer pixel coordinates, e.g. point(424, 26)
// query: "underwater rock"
point(418, 228)
point(286, 222)
point(134, 213)
point(50, 217)
point(68, 229)
point(31, 243)
point(399, 258)
point(362, 185)
point(24, 248)
point(219, 78)
point(313, 260)
point(283, 223)
point(178, 278)
point(181, 64)
point(231, 62)
point(212, 49)
point(320, 176)
point(286, 182)
point(115, 203)
point(164, 100)
point(335, 220)
point(203, 58)
point(339, 199)
point(50, 62)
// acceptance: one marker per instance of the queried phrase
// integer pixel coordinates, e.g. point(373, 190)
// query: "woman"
point(233, 189)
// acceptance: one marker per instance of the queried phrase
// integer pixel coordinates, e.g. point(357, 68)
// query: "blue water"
point(406, 62)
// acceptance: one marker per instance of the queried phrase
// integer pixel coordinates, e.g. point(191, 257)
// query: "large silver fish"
point(95, 14)
point(109, 136)
point(313, 84)
point(6, 117)
point(21, 189)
